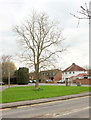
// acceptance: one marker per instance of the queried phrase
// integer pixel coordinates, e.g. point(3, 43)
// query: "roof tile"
point(74, 67)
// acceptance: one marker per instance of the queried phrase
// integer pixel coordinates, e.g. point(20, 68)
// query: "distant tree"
point(5, 68)
point(22, 76)
point(86, 67)
point(8, 67)
point(41, 41)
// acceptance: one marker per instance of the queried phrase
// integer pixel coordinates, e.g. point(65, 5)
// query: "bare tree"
point(8, 67)
point(41, 41)
point(84, 13)
point(86, 67)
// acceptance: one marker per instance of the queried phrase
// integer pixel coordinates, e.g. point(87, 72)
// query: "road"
point(71, 108)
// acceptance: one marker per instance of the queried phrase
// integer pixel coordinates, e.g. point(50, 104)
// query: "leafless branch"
point(84, 13)
point(41, 40)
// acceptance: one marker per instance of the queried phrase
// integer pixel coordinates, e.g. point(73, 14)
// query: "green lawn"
point(14, 94)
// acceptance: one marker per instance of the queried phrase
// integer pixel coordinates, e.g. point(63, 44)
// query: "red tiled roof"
point(80, 75)
point(74, 67)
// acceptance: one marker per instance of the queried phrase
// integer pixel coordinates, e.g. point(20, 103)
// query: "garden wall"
point(84, 81)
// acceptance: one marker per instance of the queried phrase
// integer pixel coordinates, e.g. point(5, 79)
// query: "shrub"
point(12, 80)
point(5, 80)
point(22, 76)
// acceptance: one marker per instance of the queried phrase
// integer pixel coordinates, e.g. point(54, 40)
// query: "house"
point(58, 76)
point(73, 79)
point(82, 76)
point(84, 79)
point(72, 71)
point(47, 74)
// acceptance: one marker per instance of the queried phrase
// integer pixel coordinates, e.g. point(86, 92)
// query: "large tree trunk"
point(37, 76)
point(37, 84)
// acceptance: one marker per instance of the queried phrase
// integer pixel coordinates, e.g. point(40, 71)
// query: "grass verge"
point(14, 94)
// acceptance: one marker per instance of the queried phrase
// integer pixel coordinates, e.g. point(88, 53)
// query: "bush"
point(5, 80)
point(12, 80)
point(22, 76)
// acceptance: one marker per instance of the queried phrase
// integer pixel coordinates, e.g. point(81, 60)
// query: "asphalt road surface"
point(71, 108)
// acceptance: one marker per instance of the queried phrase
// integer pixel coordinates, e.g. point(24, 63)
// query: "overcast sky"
point(13, 12)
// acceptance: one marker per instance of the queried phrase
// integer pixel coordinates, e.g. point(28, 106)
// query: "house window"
point(66, 73)
point(50, 73)
point(85, 77)
point(69, 72)
point(47, 73)
point(73, 72)
point(43, 73)
point(54, 73)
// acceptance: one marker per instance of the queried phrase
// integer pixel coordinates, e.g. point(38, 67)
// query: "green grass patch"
point(14, 94)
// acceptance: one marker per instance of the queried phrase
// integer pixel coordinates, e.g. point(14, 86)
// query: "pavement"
point(44, 100)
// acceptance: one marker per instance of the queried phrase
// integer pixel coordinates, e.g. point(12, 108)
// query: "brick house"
point(72, 71)
point(58, 76)
point(47, 74)
point(84, 79)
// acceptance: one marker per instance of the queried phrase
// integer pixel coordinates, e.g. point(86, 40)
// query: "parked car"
point(1, 83)
point(30, 81)
point(61, 81)
point(49, 80)
point(33, 81)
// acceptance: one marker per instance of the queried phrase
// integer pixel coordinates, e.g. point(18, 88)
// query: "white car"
point(49, 80)
point(61, 81)
point(1, 83)
point(30, 81)
point(33, 81)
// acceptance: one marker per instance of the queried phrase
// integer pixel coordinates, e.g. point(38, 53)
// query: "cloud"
point(14, 12)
